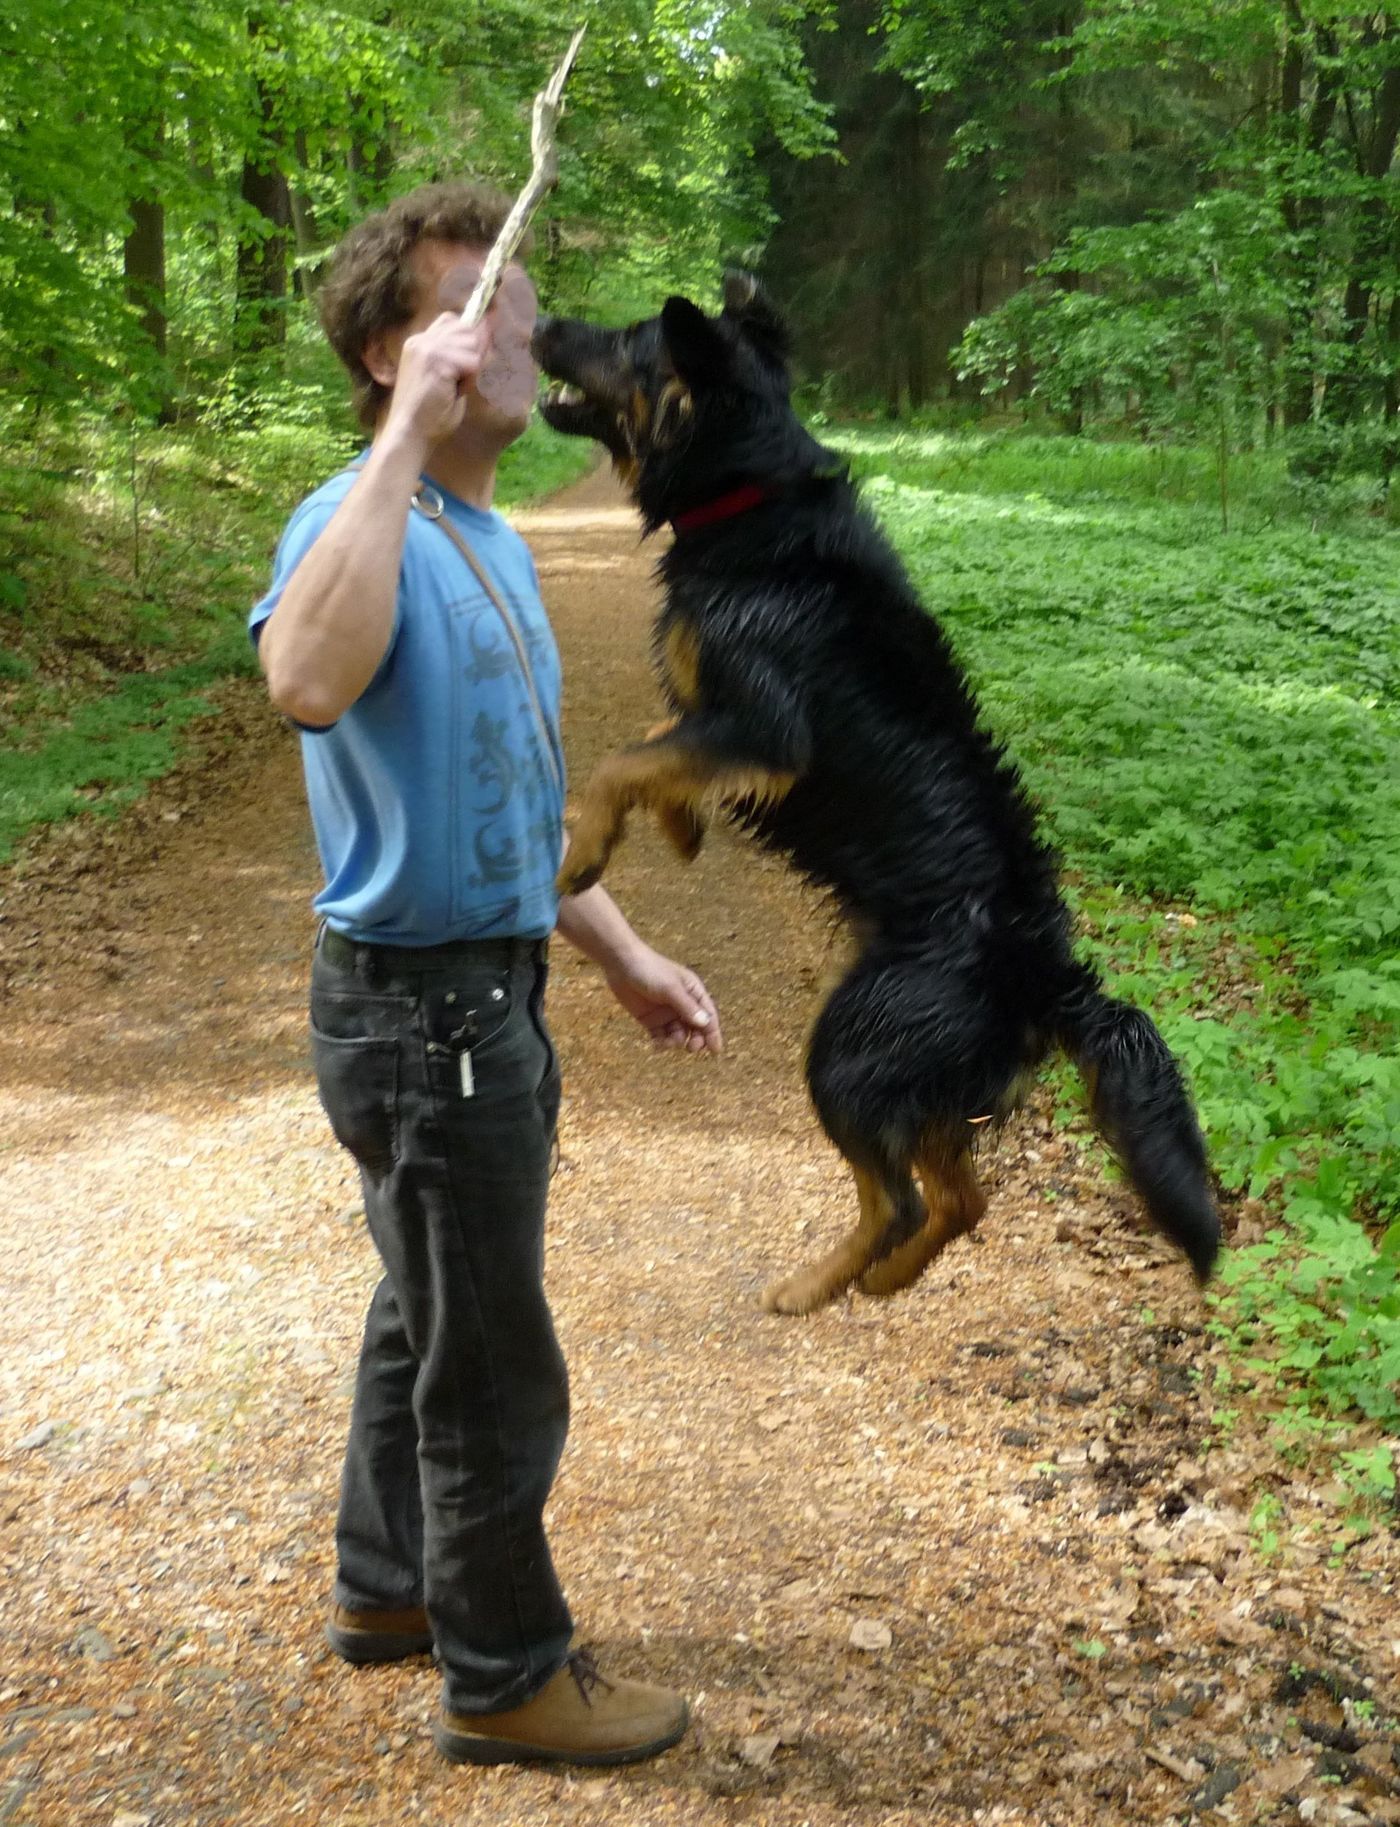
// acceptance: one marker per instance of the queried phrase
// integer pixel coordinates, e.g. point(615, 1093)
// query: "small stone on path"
point(871, 1635)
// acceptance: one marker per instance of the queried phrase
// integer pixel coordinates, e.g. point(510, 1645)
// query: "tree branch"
point(549, 107)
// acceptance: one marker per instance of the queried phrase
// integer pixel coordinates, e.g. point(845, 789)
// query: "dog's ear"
point(696, 345)
point(748, 305)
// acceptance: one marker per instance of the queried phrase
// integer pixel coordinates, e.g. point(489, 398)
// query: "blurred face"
point(501, 397)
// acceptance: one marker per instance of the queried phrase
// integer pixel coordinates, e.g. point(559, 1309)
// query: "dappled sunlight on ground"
point(618, 520)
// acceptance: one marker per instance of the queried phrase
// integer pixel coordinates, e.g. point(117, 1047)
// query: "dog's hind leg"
point(879, 1154)
point(884, 1206)
point(903, 1059)
point(954, 1202)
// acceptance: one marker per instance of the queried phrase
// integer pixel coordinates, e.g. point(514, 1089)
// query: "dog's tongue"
point(508, 379)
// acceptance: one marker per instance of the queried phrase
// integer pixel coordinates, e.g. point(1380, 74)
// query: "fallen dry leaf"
point(759, 1748)
point(1185, 1767)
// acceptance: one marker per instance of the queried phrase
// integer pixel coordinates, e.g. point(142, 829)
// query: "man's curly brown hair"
point(371, 285)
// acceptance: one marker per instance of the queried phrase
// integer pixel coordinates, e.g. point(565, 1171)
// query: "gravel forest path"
point(958, 1557)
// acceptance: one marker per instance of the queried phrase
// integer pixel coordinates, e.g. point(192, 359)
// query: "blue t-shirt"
point(437, 812)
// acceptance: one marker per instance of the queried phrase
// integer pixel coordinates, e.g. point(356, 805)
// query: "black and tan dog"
point(817, 700)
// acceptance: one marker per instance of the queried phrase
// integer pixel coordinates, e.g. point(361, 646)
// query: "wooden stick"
point(549, 106)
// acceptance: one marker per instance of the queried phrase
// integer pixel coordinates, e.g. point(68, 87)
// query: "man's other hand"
point(669, 1001)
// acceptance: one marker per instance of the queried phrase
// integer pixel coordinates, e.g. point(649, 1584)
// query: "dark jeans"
point(461, 1403)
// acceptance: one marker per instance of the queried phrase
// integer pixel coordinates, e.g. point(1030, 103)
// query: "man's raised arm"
point(324, 641)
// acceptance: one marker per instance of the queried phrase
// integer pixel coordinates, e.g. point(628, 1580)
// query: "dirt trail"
point(958, 1557)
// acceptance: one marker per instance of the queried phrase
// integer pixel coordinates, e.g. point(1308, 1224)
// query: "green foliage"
point(539, 463)
point(1264, 1521)
point(1273, 294)
point(228, 118)
point(1213, 724)
point(1153, 214)
point(1182, 324)
point(103, 751)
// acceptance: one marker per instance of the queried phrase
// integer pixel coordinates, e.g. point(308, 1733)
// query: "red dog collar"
point(723, 507)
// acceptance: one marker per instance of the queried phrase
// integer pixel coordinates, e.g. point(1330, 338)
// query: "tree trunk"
point(143, 269)
point(143, 251)
point(260, 284)
point(260, 322)
point(370, 165)
point(306, 237)
point(916, 326)
point(1304, 214)
point(1347, 394)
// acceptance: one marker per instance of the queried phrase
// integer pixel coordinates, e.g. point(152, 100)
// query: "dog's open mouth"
point(586, 389)
point(569, 408)
point(564, 393)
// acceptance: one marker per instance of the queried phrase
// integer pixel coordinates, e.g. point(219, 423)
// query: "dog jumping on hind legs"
point(818, 702)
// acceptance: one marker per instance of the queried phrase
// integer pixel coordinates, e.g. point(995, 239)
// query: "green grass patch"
point(539, 463)
point(1212, 725)
point(100, 756)
point(128, 563)
point(1008, 461)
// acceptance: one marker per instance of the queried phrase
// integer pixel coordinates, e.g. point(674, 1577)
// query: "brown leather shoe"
point(578, 1717)
point(378, 1636)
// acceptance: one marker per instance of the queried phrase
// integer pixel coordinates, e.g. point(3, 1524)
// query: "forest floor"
point(974, 1554)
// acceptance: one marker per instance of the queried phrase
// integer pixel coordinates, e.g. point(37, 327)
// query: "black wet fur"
point(816, 658)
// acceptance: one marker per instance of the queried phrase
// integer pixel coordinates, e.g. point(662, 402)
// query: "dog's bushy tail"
point(1141, 1108)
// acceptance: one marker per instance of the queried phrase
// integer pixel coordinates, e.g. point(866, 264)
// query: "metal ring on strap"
point(429, 502)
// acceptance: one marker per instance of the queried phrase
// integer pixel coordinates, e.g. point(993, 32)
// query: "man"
point(404, 634)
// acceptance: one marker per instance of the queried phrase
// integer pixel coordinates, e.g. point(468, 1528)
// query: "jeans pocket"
point(472, 1010)
point(357, 1076)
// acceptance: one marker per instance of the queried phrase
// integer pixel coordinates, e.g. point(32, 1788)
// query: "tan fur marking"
point(680, 665)
point(954, 1202)
point(674, 406)
point(684, 830)
point(666, 777)
point(819, 1285)
point(627, 469)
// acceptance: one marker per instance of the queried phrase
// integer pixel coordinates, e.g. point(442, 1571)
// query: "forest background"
point(1103, 300)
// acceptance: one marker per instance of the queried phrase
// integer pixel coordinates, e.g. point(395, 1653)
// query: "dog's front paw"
point(577, 877)
point(591, 844)
point(893, 1273)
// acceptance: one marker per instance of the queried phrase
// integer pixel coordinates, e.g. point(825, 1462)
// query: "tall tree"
point(259, 317)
